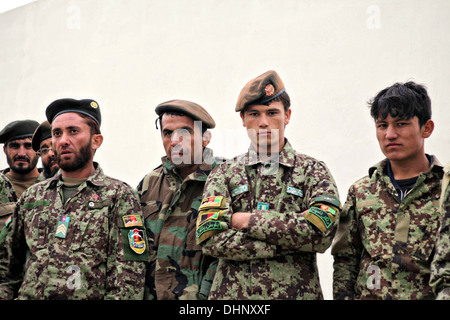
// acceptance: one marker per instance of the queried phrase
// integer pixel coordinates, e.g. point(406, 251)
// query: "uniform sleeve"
point(440, 267)
point(128, 249)
point(291, 230)
point(12, 256)
point(346, 251)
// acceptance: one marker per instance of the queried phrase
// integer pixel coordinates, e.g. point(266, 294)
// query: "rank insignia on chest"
point(295, 191)
point(136, 241)
point(262, 206)
point(63, 225)
point(239, 190)
point(132, 220)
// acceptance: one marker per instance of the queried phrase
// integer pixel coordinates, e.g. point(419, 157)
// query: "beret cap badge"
point(270, 90)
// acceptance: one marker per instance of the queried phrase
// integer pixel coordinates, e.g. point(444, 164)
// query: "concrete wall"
point(130, 55)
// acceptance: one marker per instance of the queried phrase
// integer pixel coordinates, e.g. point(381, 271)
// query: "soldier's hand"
point(239, 220)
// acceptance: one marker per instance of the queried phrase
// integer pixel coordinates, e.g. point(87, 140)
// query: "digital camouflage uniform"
point(440, 268)
point(383, 247)
point(80, 250)
point(8, 199)
point(177, 268)
point(275, 258)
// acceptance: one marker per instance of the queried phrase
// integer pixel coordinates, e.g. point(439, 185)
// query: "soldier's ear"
point(427, 129)
point(206, 138)
point(97, 140)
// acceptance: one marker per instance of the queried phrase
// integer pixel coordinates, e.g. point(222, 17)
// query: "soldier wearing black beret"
point(87, 107)
point(22, 161)
point(80, 230)
point(42, 144)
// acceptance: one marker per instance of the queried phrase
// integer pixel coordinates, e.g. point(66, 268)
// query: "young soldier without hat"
point(80, 234)
point(266, 214)
point(387, 230)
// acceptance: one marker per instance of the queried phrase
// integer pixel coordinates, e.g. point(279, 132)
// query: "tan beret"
point(188, 108)
point(262, 89)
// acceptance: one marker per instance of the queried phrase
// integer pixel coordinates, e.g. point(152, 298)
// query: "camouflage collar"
point(209, 162)
point(286, 157)
point(97, 179)
point(381, 167)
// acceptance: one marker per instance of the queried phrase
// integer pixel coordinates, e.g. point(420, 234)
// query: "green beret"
point(188, 108)
point(18, 130)
point(43, 132)
point(262, 89)
point(87, 107)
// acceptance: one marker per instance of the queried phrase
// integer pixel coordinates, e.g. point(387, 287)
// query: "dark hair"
point(180, 114)
point(283, 98)
point(95, 128)
point(402, 100)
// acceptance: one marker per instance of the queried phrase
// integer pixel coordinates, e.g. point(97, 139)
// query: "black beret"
point(43, 132)
point(87, 107)
point(17, 130)
point(188, 108)
point(262, 89)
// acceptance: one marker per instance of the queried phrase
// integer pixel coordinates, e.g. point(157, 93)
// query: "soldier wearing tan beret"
point(266, 213)
point(170, 196)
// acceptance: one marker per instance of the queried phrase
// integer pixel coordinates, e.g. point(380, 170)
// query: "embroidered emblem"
point(270, 90)
point(132, 220)
point(211, 202)
point(239, 190)
point(136, 240)
point(295, 191)
point(262, 206)
point(63, 225)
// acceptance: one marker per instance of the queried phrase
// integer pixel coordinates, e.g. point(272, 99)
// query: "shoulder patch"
point(132, 220)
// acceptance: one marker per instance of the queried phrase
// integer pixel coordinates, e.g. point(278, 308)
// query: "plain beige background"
point(131, 55)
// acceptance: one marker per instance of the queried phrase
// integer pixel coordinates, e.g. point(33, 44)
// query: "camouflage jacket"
point(93, 247)
point(8, 199)
point(383, 247)
point(440, 268)
point(177, 268)
point(275, 258)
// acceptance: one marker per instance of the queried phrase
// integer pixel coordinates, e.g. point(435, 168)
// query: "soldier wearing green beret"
point(42, 144)
point(266, 213)
point(387, 229)
point(170, 196)
point(22, 161)
point(80, 234)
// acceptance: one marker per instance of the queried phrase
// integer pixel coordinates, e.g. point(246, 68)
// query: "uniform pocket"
point(38, 232)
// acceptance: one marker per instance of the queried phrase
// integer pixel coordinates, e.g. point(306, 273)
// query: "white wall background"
point(131, 55)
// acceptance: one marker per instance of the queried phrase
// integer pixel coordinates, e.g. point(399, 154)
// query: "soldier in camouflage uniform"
point(22, 160)
point(42, 144)
point(170, 196)
point(387, 229)
point(266, 213)
point(79, 234)
point(440, 267)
